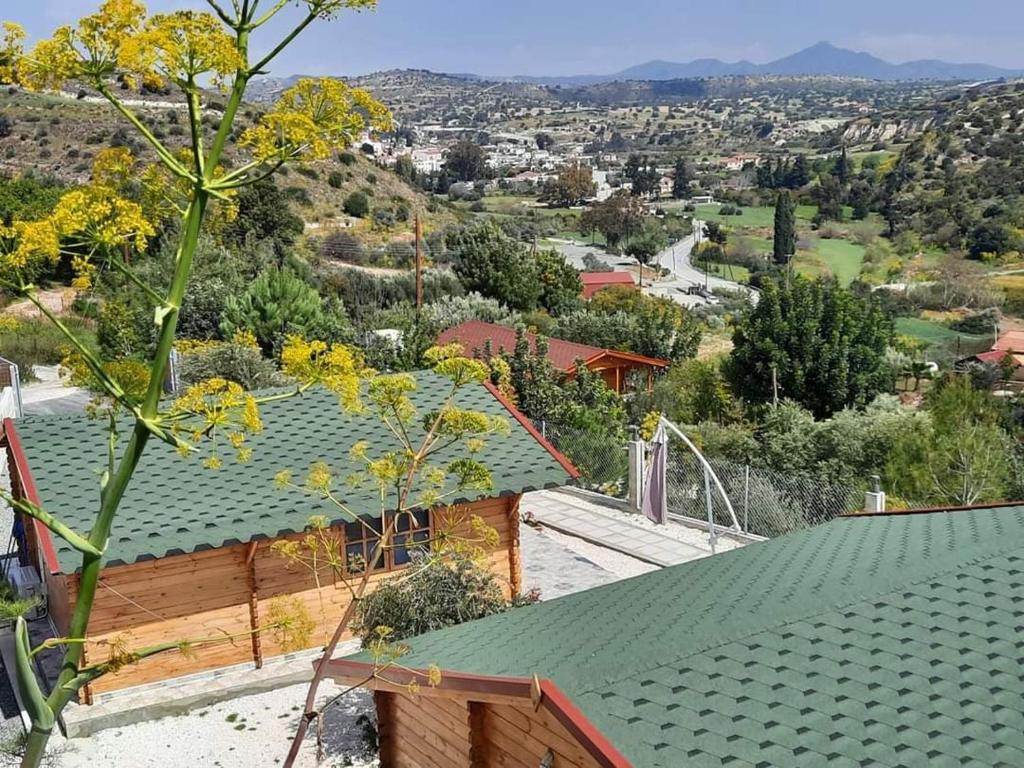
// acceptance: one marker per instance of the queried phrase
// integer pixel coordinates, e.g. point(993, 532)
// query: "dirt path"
point(56, 300)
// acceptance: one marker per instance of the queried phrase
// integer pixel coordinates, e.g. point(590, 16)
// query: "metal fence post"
point(544, 429)
point(708, 504)
point(746, 499)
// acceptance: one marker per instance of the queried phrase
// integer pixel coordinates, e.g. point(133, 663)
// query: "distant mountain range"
point(820, 59)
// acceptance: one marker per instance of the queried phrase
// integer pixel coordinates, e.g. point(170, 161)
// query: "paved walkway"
point(602, 523)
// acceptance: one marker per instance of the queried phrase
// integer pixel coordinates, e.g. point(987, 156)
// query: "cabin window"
point(361, 539)
point(412, 532)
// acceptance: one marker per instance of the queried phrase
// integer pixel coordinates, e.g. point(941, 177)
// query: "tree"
point(94, 225)
point(829, 197)
point(357, 204)
point(492, 263)
point(573, 186)
point(843, 169)
point(465, 161)
point(643, 175)
point(405, 169)
point(560, 282)
point(681, 180)
point(647, 244)
point(716, 233)
point(616, 218)
point(544, 141)
point(812, 342)
point(784, 237)
point(264, 215)
point(800, 174)
point(275, 304)
point(959, 456)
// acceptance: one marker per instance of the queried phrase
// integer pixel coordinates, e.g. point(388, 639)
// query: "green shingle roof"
point(175, 506)
point(868, 641)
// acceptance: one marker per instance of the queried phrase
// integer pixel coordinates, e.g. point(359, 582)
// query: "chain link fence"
point(766, 502)
point(601, 458)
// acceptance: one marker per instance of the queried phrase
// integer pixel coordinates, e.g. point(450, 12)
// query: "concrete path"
point(49, 395)
point(591, 518)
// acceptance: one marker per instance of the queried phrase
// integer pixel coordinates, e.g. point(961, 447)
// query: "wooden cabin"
point(875, 639)
point(615, 367)
point(190, 554)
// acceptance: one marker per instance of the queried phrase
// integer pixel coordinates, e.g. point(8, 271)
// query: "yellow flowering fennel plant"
point(417, 472)
point(96, 226)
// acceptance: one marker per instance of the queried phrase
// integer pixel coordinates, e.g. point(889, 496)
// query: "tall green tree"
point(812, 342)
point(496, 265)
point(616, 218)
point(264, 215)
point(784, 236)
point(560, 285)
point(466, 161)
point(681, 180)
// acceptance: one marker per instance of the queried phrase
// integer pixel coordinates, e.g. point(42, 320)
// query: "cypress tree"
point(785, 228)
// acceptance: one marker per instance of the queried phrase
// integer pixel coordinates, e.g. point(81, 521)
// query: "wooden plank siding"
point(220, 592)
point(443, 732)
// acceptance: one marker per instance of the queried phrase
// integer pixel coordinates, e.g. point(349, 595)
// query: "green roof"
point(868, 641)
point(175, 506)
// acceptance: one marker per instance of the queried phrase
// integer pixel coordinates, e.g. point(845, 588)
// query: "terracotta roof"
point(997, 355)
point(1011, 341)
point(474, 335)
point(595, 281)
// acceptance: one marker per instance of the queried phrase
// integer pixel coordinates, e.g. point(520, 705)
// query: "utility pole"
point(419, 264)
point(775, 386)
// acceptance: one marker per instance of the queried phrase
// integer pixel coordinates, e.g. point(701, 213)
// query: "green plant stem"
point(68, 680)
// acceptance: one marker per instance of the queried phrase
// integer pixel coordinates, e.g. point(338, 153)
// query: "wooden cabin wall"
point(224, 591)
point(439, 732)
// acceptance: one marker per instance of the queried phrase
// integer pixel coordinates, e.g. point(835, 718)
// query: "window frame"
point(397, 556)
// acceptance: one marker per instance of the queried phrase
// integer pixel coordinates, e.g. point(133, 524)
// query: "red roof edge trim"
point(552, 698)
point(569, 715)
point(28, 484)
point(933, 510)
point(534, 432)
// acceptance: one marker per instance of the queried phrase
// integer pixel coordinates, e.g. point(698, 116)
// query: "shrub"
point(233, 360)
point(28, 343)
point(336, 179)
point(275, 304)
point(439, 594)
point(357, 204)
point(347, 158)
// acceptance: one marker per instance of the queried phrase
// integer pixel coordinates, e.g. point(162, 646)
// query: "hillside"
point(58, 136)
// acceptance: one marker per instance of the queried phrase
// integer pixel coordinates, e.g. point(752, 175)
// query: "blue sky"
point(599, 36)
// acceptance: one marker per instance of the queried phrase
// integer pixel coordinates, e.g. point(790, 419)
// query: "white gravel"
point(247, 732)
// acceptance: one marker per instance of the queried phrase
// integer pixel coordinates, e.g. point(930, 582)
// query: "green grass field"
point(940, 341)
point(732, 272)
point(754, 218)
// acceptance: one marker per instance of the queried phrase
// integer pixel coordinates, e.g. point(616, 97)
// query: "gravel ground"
point(242, 733)
point(255, 730)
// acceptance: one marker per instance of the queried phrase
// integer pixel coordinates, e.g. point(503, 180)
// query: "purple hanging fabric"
point(655, 502)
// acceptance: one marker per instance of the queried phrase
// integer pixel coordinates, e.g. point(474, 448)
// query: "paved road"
point(676, 258)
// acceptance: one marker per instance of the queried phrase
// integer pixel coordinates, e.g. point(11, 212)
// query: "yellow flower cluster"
point(11, 51)
point(26, 244)
point(338, 367)
point(314, 118)
point(214, 407)
point(181, 46)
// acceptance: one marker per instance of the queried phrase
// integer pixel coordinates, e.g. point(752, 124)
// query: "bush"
point(347, 158)
point(28, 343)
point(275, 304)
point(336, 179)
point(357, 204)
point(439, 594)
point(234, 361)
